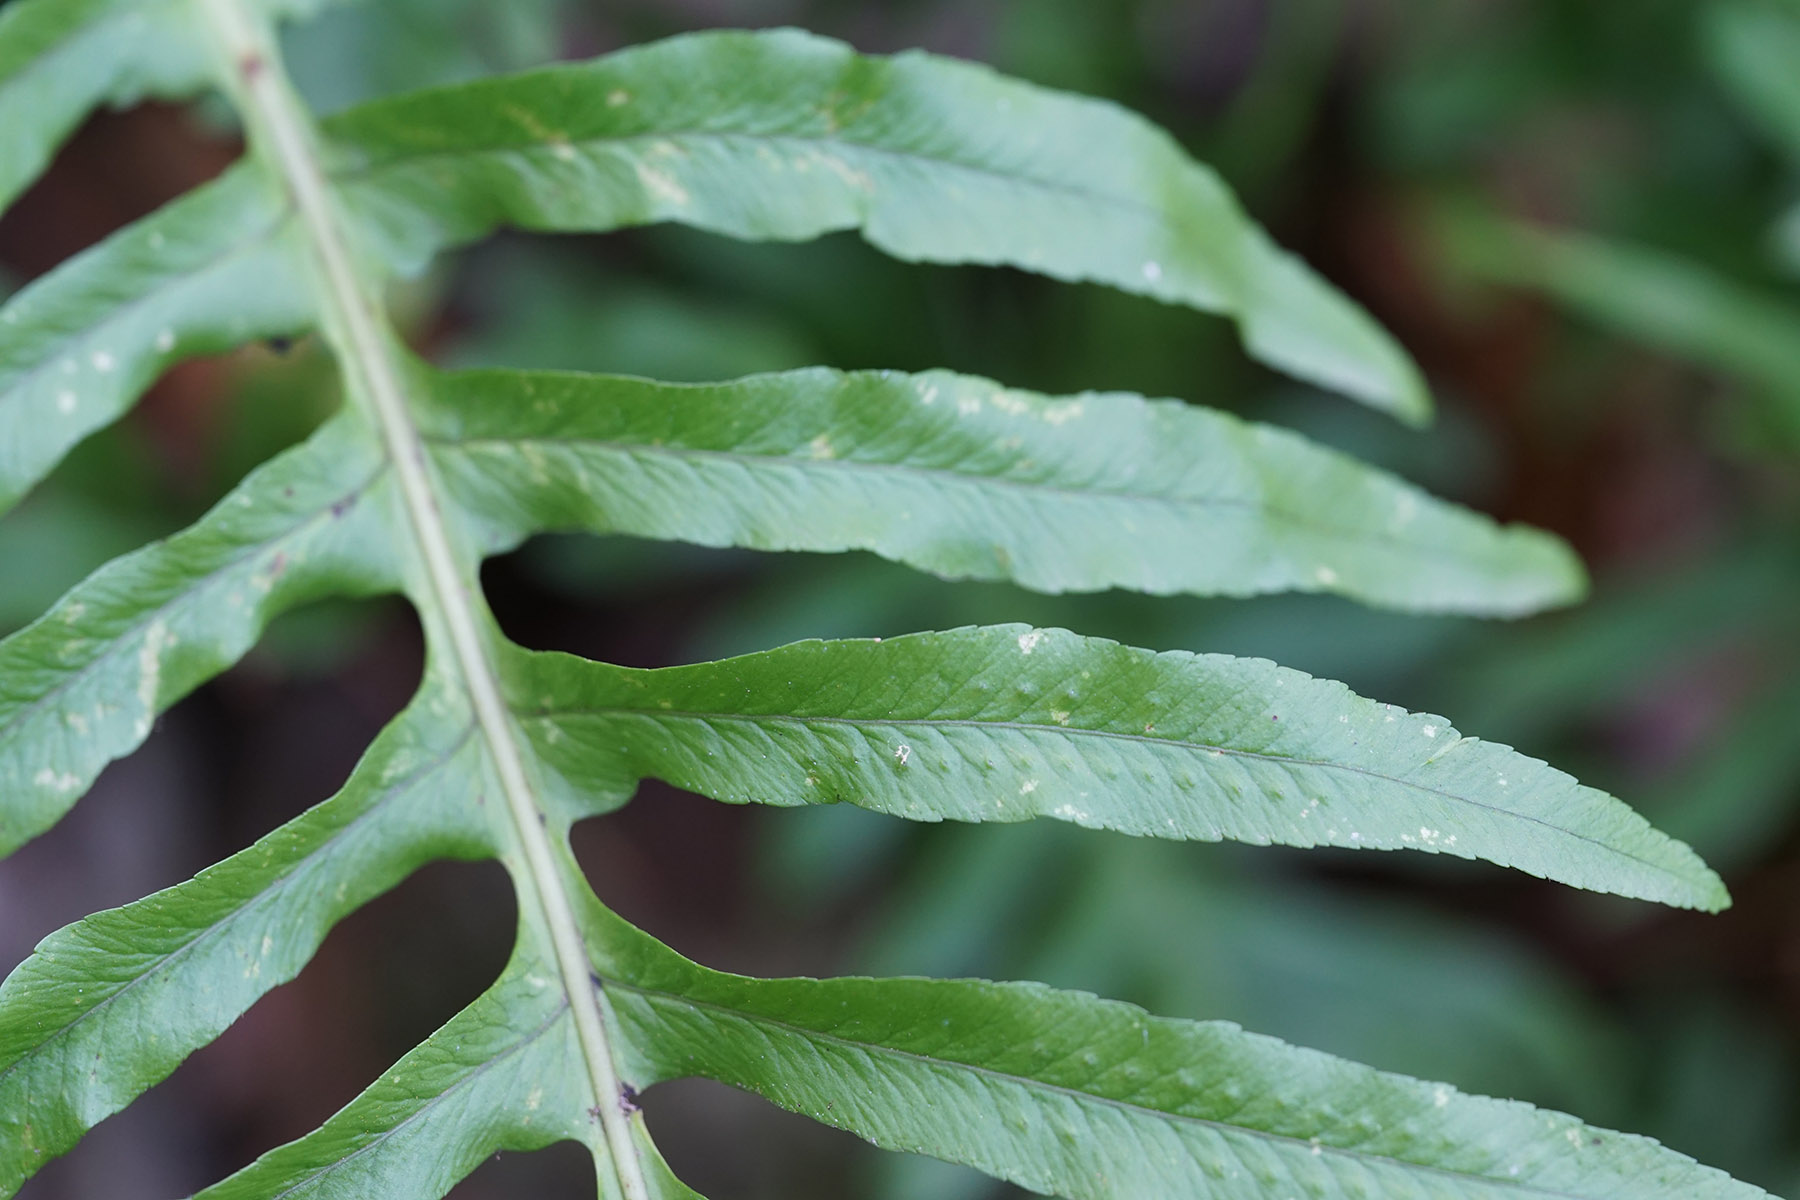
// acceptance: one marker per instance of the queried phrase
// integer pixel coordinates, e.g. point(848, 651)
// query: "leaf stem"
point(282, 132)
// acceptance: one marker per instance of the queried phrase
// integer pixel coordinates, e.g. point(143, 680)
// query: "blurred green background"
point(1582, 219)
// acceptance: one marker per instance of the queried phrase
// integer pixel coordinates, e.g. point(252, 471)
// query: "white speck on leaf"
point(1405, 509)
point(65, 401)
point(103, 361)
point(64, 782)
point(1029, 641)
point(157, 638)
point(663, 186)
point(902, 754)
point(1429, 731)
point(849, 174)
point(1152, 271)
point(534, 458)
point(1010, 403)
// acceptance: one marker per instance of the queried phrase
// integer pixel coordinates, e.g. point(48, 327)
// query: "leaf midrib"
point(446, 586)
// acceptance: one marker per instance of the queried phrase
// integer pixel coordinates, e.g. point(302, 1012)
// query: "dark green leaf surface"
point(185, 963)
point(1090, 1099)
point(787, 136)
point(1754, 47)
point(1786, 237)
point(207, 273)
point(1735, 797)
point(1680, 306)
point(962, 477)
point(1011, 723)
point(83, 685)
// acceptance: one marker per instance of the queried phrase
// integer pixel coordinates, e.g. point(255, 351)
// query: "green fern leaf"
point(786, 136)
point(84, 684)
point(773, 136)
point(1012, 723)
point(502, 1075)
point(61, 59)
point(79, 347)
point(1069, 1095)
point(967, 479)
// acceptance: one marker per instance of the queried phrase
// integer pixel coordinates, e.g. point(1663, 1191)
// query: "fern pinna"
point(423, 473)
